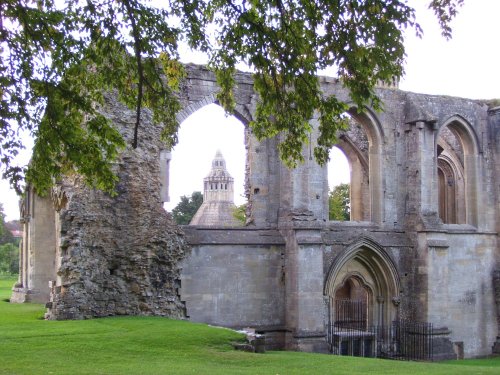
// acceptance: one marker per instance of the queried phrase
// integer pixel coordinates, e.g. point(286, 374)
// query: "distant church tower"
point(218, 197)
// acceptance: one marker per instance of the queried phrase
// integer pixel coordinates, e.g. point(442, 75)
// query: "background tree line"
point(9, 246)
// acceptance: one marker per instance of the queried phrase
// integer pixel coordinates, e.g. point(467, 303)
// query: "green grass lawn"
point(144, 345)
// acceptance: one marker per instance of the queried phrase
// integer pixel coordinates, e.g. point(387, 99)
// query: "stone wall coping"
point(197, 235)
point(457, 229)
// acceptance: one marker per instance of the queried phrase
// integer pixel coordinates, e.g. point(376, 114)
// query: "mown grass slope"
point(148, 345)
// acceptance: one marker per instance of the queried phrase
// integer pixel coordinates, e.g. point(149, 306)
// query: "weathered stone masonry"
point(422, 243)
point(417, 263)
point(110, 256)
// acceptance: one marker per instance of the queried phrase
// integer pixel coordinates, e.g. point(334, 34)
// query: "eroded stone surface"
point(119, 255)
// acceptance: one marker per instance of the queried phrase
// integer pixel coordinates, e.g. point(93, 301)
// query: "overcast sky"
point(466, 66)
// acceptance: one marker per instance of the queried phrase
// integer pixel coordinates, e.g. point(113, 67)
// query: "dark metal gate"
point(349, 334)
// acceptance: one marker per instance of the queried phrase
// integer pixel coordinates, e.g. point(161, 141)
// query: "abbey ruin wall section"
point(423, 244)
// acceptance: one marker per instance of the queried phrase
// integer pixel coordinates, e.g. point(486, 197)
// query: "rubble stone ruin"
point(421, 246)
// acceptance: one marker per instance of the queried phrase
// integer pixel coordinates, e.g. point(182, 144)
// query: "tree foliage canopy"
point(187, 207)
point(9, 248)
point(339, 203)
point(57, 60)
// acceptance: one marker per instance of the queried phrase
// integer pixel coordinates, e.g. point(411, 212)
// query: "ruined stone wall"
point(119, 255)
point(235, 277)
point(37, 250)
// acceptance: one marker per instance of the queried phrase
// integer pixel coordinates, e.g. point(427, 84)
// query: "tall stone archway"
point(457, 148)
point(364, 274)
point(362, 145)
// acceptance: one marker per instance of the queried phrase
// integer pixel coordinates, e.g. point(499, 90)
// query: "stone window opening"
point(456, 165)
point(339, 195)
point(361, 146)
point(205, 129)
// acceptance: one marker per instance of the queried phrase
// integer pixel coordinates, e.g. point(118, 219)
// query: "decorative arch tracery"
point(457, 150)
point(363, 152)
point(364, 269)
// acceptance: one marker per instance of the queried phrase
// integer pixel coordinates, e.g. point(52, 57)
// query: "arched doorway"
point(362, 289)
point(352, 303)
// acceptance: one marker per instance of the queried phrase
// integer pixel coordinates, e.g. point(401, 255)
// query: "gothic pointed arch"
point(465, 131)
point(364, 269)
point(194, 106)
point(362, 144)
point(205, 127)
point(457, 157)
point(359, 189)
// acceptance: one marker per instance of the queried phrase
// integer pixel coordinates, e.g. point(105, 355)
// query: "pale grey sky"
point(467, 66)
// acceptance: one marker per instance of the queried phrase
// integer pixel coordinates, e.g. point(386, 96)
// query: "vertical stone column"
point(20, 290)
point(42, 250)
point(38, 251)
point(260, 179)
point(356, 191)
point(305, 309)
point(420, 153)
point(376, 189)
point(380, 313)
point(165, 157)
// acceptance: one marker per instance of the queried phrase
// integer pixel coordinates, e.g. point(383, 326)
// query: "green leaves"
point(445, 11)
point(286, 42)
point(187, 208)
point(339, 203)
point(57, 61)
point(56, 66)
